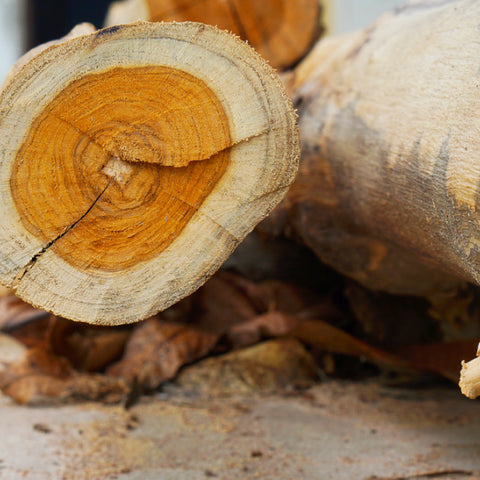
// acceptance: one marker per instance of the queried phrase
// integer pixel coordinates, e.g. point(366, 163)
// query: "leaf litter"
point(231, 335)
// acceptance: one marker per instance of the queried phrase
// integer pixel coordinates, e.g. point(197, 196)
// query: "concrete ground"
point(334, 430)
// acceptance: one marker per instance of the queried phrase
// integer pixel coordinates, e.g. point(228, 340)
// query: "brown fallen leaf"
point(323, 335)
point(391, 320)
point(33, 334)
point(38, 389)
point(157, 349)
point(273, 324)
point(221, 302)
point(229, 299)
point(42, 378)
point(272, 295)
point(442, 358)
point(88, 347)
point(58, 353)
point(313, 332)
point(15, 313)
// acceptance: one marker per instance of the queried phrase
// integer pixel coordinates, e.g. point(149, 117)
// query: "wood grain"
point(282, 31)
point(388, 187)
point(134, 160)
point(79, 165)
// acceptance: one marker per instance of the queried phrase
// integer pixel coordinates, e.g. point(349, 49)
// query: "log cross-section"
point(282, 31)
point(97, 165)
point(134, 159)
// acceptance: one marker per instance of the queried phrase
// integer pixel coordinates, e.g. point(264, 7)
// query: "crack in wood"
point(68, 229)
point(208, 217)
point(266, 194)
point(264, 131)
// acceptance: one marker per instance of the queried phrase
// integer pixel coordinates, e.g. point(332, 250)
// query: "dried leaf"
point(262, 326)
point(391, 320)
point(273, 295)
point(323, 335)
point(15, 313)
point(229, 299)
point(314, 332)
point(221, 303)
point(42, 378)
point(442, 358)
point(38, 389)
point(273, 324)
point(157, 349)
point(88, 347)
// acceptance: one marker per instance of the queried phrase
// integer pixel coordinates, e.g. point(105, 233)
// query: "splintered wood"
point(470, 377)
point(282, 31)
point(135, 159)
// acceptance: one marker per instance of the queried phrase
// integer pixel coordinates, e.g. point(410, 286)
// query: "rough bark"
point(134, 159)
point(282, 31)
point(388, 186)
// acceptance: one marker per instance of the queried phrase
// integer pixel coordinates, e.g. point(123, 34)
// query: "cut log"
point(133, 161)
point(388, 187)
point(282, 31)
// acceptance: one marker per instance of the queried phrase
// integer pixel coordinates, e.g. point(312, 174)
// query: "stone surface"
point(273, 366)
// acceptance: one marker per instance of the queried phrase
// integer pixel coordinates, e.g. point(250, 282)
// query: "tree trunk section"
point(282, 31)
point(388, 187)
point(134, 160)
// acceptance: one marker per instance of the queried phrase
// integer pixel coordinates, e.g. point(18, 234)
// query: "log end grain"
point(282, 31)
point(137, 158)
